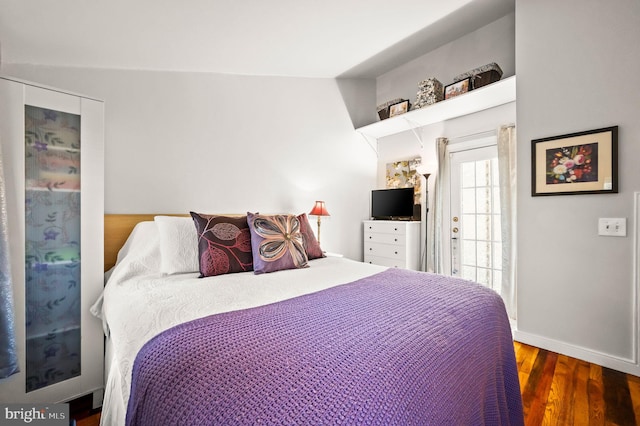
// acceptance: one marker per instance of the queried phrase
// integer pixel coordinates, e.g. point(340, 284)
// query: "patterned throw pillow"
point(224, 244)
point(311, 245)
point(277, 242)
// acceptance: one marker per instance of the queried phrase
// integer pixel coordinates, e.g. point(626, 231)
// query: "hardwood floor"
point(90, 420)
point(559, 390)
point(556, 390)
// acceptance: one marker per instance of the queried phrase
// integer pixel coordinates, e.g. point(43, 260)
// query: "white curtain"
point(8, 355)
point(507, 171)
point(436, 260)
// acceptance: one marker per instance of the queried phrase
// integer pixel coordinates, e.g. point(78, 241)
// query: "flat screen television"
point(392, 204)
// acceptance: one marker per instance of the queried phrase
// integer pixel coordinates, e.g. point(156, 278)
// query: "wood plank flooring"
point(559, 390)
point(556, 390)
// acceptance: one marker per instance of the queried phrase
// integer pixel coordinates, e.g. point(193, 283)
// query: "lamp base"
point(319, 229)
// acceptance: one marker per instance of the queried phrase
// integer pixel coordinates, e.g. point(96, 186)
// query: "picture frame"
point(575, 163)
point(399, 108)
point(458, 88)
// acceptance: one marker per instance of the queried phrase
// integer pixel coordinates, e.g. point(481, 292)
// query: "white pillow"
point(178, 245)
point(140, 255)
point(142, 248)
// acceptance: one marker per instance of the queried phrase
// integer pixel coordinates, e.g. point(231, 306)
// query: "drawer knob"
point(370, 249)
point(395, 252)
point(395, 239)
point(395, 229)
point(369, 236)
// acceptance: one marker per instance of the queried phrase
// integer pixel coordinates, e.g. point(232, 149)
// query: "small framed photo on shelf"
point(576, 163)
point(456, 89)
point(399, 108)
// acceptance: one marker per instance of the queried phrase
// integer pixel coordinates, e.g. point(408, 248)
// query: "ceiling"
point(303, 38)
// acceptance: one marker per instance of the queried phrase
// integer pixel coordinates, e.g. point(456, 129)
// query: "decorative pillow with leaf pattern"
point(224, 244)
point(311, 244)
point(277, 243)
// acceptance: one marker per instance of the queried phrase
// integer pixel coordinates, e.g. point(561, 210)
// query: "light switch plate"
point(612, 226)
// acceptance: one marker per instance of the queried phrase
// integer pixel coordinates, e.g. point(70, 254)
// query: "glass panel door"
point(476, 244)
point(52, 258)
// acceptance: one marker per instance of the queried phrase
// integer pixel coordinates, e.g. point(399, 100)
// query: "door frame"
point(466, 144)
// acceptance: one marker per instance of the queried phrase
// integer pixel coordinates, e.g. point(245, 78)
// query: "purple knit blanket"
point(397, 348)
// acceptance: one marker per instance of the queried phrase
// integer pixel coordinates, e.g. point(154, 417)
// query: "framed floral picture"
point(576, 163)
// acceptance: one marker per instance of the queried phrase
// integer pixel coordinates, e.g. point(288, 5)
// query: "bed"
point(332, 341)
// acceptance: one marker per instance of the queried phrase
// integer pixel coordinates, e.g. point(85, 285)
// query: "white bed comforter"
point(139, 302)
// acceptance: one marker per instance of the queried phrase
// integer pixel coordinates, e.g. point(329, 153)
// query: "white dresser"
point(392, 243)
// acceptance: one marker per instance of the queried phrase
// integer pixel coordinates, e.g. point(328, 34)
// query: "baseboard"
point(97, 397)
point(628, 366)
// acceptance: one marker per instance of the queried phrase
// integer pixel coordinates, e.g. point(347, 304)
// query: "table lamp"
point(319, 210)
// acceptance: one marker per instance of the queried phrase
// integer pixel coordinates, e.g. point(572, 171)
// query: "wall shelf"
point(492, 95)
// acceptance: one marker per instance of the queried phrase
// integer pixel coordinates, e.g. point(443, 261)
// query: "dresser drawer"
point(384, 261)
point(384, 250)
point(373, 237)
point(386, 227)
point(392, 243)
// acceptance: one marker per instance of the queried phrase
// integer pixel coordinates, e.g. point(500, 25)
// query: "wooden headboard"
point(117, 228)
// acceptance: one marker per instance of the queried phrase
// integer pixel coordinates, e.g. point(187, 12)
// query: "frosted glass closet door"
point(54, 145)
point(52, 246)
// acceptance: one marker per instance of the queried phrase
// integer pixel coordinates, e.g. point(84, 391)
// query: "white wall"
point(492, 43)
point(407, 145)
point(577, 292)
point(229, 144)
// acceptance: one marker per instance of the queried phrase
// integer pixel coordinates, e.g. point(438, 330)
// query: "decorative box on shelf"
point(482, 76)
point(383, 109)
point(430, 91)
point(490, 96)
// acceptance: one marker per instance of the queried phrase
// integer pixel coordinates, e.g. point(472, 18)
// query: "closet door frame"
point(14, 95)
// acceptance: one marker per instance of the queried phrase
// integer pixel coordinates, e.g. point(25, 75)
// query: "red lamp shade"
point(319, 209)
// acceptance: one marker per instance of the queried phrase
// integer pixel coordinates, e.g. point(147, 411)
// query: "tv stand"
point(393, 243)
